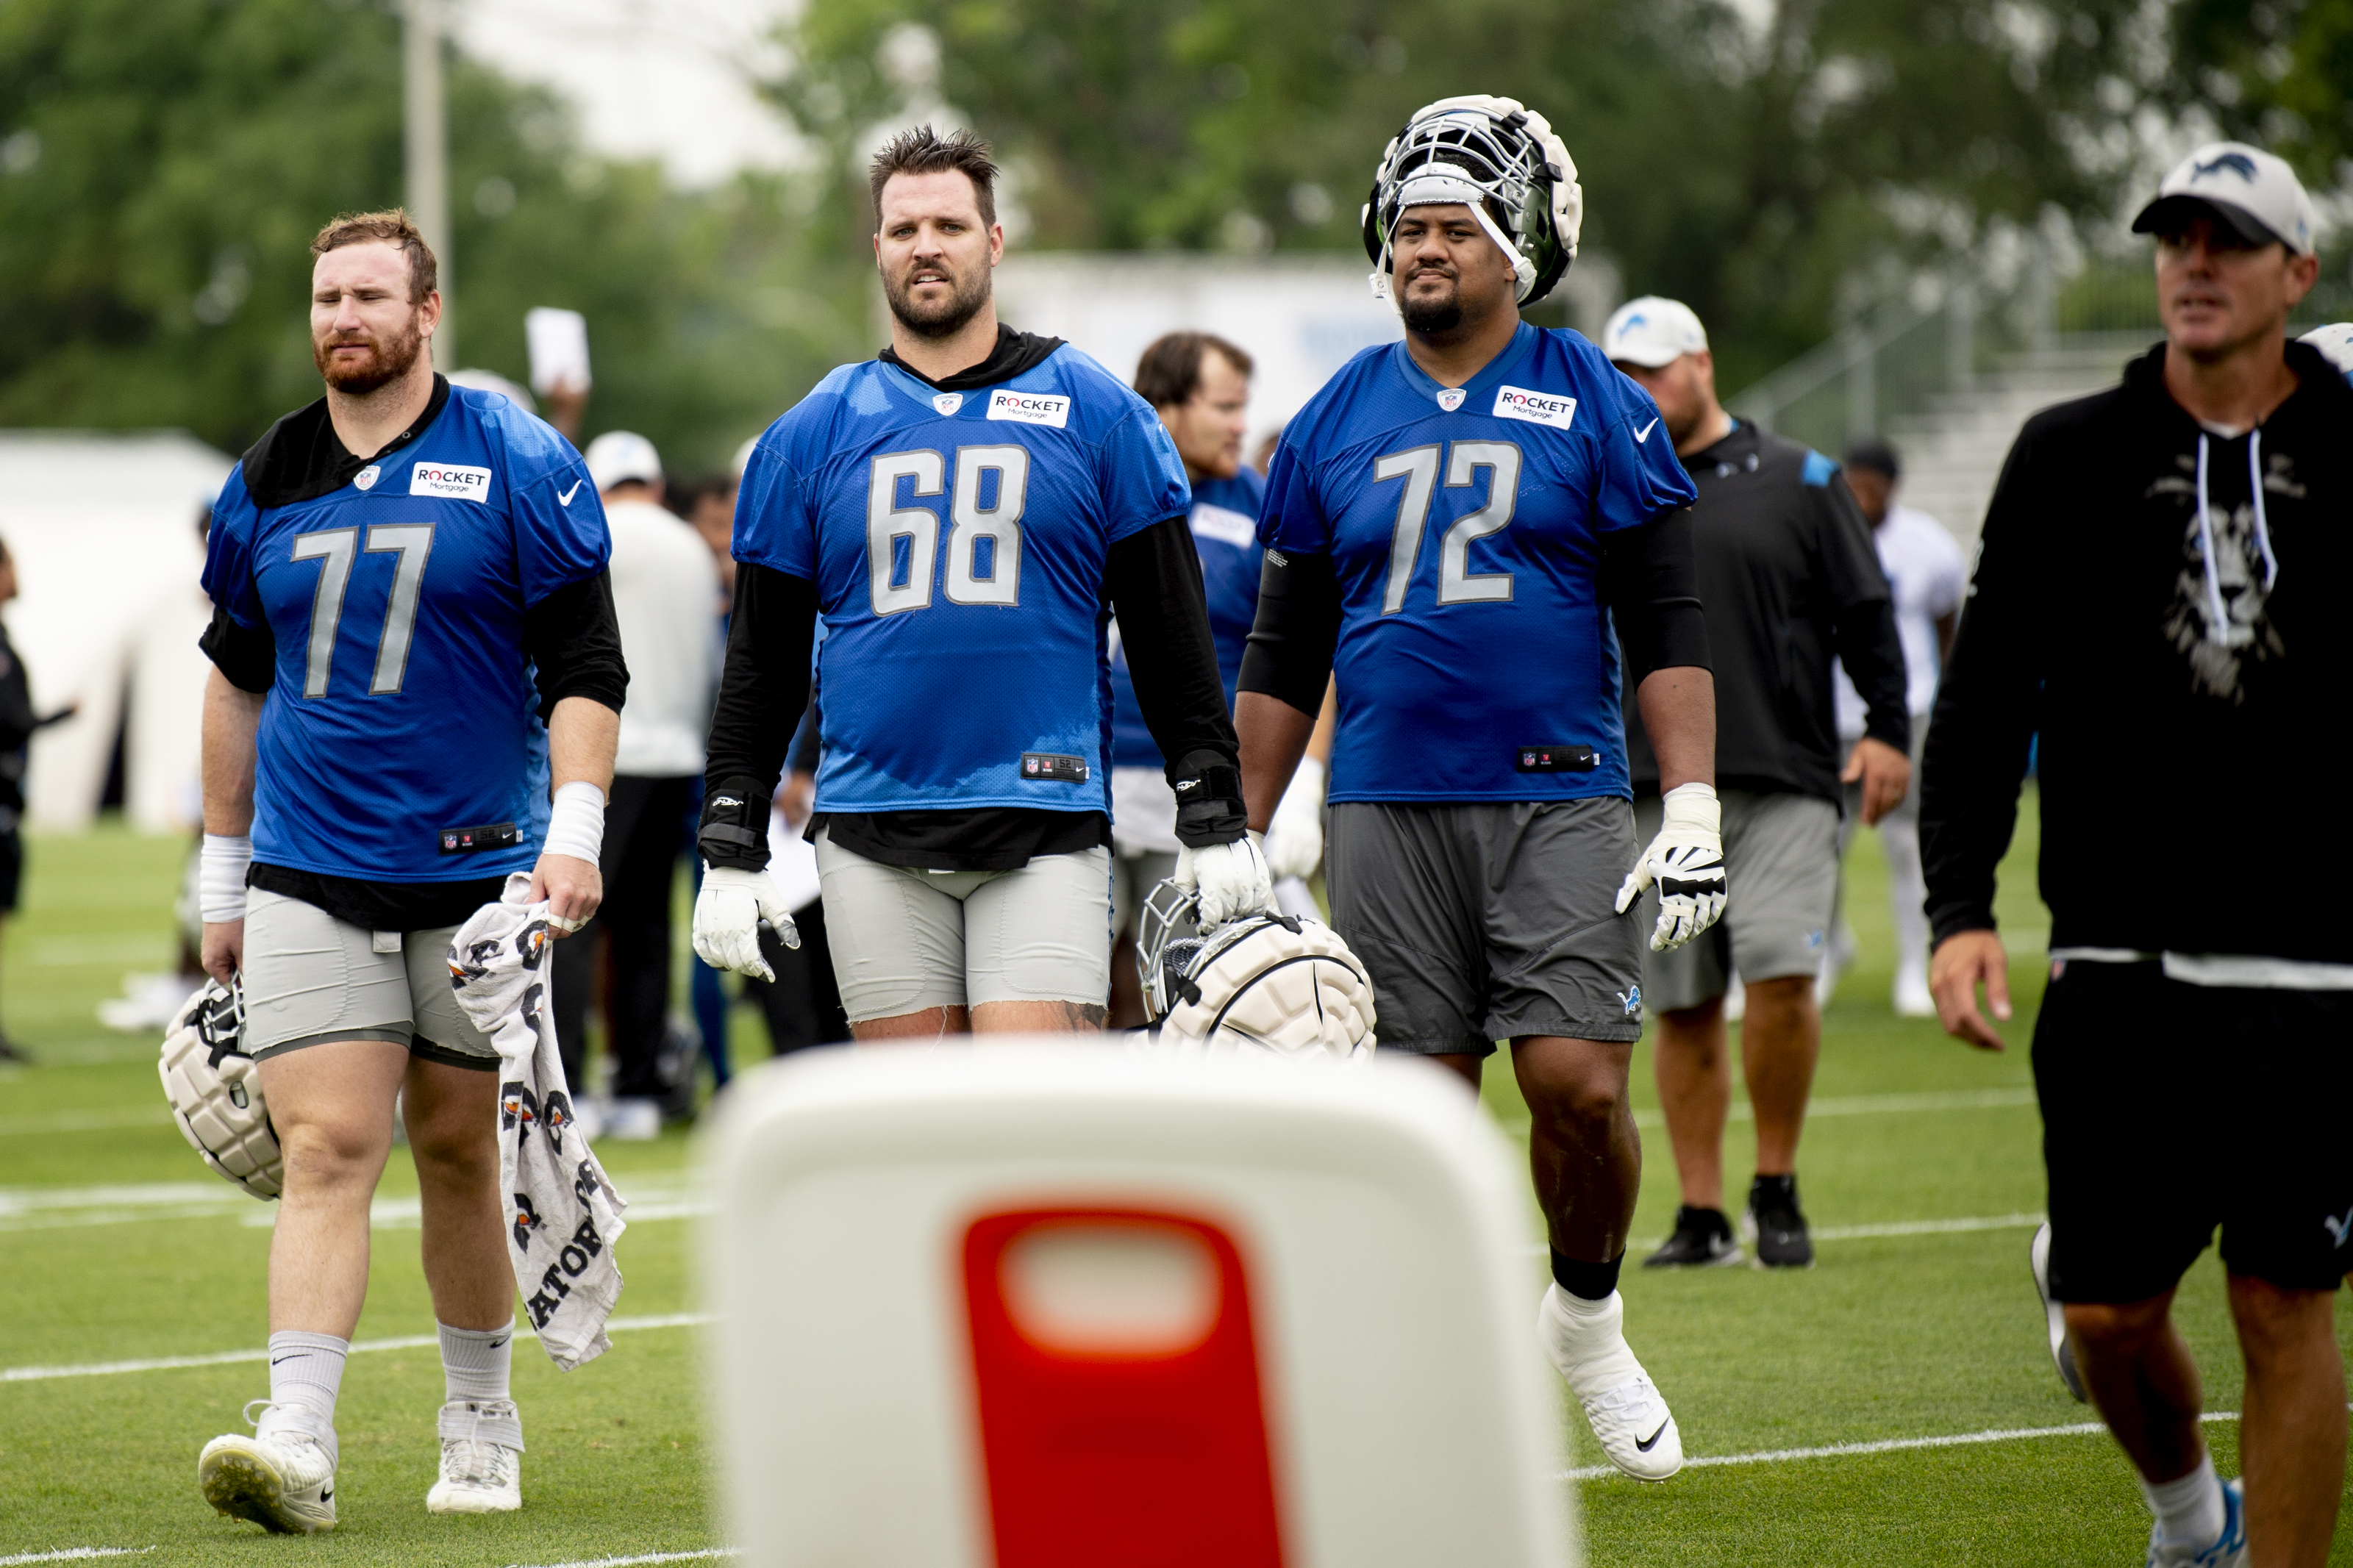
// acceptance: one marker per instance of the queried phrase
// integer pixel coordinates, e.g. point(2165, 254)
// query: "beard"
point(1427, 314)
point(940, 319)
point(385, 363)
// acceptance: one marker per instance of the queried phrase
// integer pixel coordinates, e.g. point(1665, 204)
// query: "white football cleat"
point(1625, 1408)
point(482, 1458)
point(282, 1480)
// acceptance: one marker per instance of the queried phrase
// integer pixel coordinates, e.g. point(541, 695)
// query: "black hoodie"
point(2189, 761)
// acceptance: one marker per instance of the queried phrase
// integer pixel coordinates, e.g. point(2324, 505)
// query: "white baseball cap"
point(2251, 190)
point(1653, 332)
point(619, 455)
point(2334, 342)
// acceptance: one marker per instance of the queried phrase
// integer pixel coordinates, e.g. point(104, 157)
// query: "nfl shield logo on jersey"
point(1452, 398)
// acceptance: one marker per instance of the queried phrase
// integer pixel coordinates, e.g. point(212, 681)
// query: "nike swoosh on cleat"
point(564, 497)
point(1644, 433)
point(1647, 1444)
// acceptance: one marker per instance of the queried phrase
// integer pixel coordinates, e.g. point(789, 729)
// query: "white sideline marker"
point(224, 1358)
point(75, 1553)
point(1884, 1446)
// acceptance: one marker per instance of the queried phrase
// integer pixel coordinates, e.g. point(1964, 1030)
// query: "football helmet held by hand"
point(1280, 983)
point(216, 1091)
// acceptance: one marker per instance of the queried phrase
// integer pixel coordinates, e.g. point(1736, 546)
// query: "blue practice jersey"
point(1476, 661)
point(1225, 535)
point(958, 541)
point(403, 712)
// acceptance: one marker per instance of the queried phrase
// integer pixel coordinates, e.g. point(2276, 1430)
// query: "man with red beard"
point(416, 692)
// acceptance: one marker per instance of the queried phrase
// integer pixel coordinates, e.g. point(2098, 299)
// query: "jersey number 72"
point(1418, 466)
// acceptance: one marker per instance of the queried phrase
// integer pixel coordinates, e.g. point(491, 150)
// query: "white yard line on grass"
point(75, 1553)
point(82, 1122)
point(1855, 1105)
point(65, 1208)
point(223, 1358)
point(1884, 1446)
point(616, 1561)
point(1865, 1232)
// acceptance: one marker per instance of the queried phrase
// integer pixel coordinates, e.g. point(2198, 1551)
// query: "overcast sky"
point(667, 78)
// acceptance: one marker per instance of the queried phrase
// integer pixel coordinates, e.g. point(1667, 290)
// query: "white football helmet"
point(1500, 159)
point(216, 1093)
point(1283, 983)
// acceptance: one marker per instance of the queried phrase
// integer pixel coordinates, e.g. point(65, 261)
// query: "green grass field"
point(115, 1244)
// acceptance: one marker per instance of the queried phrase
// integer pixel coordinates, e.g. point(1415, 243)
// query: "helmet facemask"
point(1501, 161)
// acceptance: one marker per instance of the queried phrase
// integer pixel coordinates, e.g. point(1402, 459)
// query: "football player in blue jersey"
point(965, 511)
point(1454, 524)
point(1199, 386)
point(415, 692)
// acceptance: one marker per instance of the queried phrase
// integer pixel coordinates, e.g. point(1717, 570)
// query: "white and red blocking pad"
point(1083, 1306)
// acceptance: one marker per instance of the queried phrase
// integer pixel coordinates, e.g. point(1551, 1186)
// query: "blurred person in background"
point(1199, 386)
point(1926, 575)
point(17, 725)
point(2158, 606)
point(664, 585)
point(1787, 578)
point(708, 505)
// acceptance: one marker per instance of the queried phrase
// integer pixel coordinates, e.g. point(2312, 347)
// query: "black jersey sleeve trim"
point(1298, 629)
point(1650, 582)
point(247, 656)
point(762, 693)
point(575, 641)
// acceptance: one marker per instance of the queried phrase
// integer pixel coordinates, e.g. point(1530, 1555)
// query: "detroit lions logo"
point(2237, 163)
point(2339, 1228)
point(1632, 1000)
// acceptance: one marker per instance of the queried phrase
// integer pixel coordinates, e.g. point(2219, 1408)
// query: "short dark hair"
point(1170, 371)
point(920, 150)
point(1877, 456)
point(393, 226)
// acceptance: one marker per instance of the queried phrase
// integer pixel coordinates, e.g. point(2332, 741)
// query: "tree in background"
point(1777, 166)
point(164, 163)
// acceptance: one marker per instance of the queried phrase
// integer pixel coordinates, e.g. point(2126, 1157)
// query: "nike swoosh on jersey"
point(564, 497)
point(1646, 1444)
point(1644, 433)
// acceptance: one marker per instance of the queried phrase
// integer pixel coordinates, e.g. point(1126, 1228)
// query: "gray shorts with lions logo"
point(1484, 922)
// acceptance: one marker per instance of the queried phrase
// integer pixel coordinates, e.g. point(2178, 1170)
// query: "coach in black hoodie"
point(2161, 595)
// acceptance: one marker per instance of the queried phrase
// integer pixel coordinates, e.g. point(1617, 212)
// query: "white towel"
point(566, 1216)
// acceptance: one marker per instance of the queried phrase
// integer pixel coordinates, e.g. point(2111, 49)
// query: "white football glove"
point(1294, 839)
point(1686, 860)
point(1231, 879)
point(728, 914)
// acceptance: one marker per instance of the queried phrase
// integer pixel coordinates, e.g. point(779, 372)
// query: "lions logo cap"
point(1651, 332)
point(2251, 190)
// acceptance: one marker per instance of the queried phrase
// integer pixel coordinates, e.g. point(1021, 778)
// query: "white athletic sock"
point(474, 1362)
point(1587, 1341)
point(2189, 1510)
point(306, 1373)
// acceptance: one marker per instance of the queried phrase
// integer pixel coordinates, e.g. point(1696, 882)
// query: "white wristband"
point(575, 824)
point(1692, 806)
point(221, 876)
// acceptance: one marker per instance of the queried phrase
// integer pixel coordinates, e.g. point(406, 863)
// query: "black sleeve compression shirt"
point(1152, 582)
point(1649, 583)
point(573, 638)
point(762, 693)
point(1298, 626)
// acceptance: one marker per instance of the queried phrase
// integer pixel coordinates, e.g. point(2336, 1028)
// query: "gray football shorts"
point(310, 979)
point(905, 939)
point(1483, 921)
point(1780, 868)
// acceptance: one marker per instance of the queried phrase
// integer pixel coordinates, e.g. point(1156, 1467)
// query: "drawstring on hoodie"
point(2218, 621)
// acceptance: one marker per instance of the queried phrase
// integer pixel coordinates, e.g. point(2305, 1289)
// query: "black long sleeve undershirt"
point(1151, 579)
point(1648, 580)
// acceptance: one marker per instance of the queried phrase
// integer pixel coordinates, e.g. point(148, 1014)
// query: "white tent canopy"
point(104, 529)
